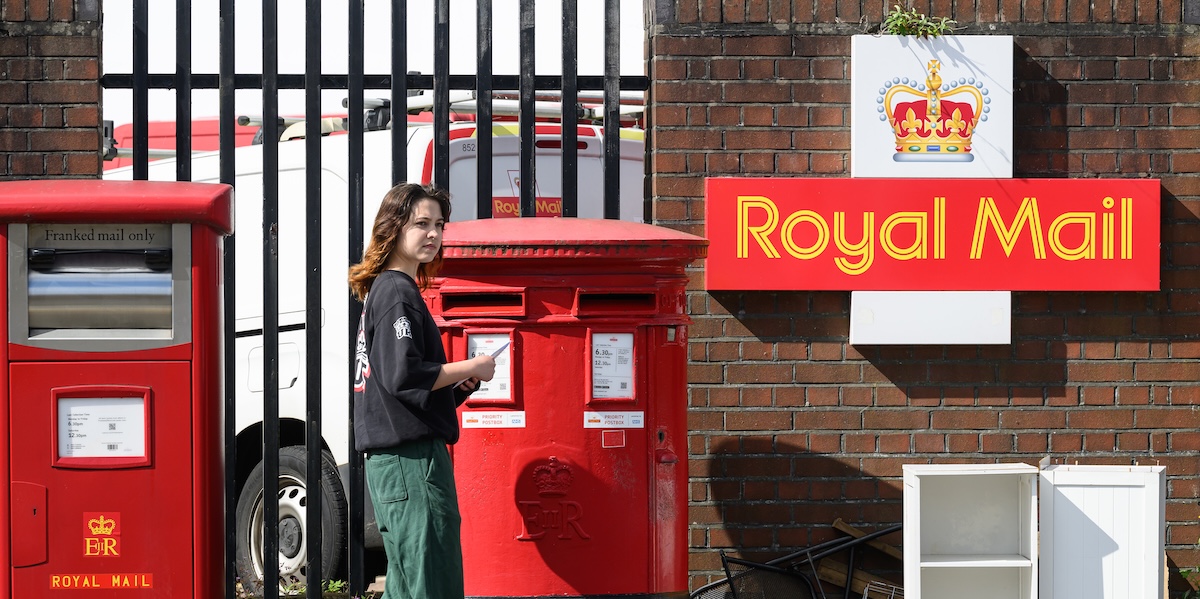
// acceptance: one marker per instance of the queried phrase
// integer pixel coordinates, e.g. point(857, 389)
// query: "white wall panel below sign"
point(930, 317)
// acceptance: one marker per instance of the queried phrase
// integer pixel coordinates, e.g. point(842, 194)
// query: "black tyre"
point(293, 549)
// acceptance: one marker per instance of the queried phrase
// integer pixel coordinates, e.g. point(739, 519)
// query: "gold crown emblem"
point(553, 478)
point(928, 125)
point(102, 525)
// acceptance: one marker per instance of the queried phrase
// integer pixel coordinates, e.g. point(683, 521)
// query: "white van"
point(335, 333)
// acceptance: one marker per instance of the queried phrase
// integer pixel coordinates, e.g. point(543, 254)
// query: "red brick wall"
point(791, 427)
point(49, 88)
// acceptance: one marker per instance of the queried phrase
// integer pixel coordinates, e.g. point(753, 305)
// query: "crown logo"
point(935, 120)
point(553, 478)
point(102, 525)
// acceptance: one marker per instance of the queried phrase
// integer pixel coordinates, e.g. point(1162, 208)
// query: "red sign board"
point(932, 234)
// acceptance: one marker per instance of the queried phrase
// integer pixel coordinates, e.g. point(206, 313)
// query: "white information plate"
point(493, 419)
point(101, 427)
point(500, 387)
point(614, 420)
point(612, 365)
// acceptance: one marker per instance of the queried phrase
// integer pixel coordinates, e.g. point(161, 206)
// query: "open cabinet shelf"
point(975, 561)
point(975, 529)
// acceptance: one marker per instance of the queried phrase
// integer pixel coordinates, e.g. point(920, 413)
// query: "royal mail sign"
point(932, 234)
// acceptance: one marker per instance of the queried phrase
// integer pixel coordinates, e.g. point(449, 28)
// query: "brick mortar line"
point(1031, 30)
point(51, 28)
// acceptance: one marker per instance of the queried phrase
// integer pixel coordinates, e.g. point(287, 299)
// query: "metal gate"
point(528, 88)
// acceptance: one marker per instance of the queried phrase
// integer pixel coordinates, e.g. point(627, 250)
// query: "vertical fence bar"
point(483, 109)
point(183, 94)
point(228, 176)
point(312, 318)
point(570, 97)
point(527, 117)
point(399, 101)
point(441, 94)
point(356, 502)
point(612, 117)
point(141, 90)
point(270, 258)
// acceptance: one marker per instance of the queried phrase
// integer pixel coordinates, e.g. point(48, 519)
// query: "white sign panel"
point(612, 365)
point(931, 108)
point(614, 420)
point(493, 419)
point(497, 344)
point(101, 427)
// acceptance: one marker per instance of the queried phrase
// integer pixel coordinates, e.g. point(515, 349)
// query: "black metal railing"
point(356, 82)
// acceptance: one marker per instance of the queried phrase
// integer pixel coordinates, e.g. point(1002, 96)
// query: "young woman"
point(404, 403)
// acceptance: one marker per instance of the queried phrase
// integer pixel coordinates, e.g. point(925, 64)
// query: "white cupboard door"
point(1102, 532)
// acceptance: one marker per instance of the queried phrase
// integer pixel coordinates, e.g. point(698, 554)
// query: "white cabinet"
point(971, 530)
point(1103, 531)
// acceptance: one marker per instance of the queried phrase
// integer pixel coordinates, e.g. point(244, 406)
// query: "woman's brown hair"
point(394, 213)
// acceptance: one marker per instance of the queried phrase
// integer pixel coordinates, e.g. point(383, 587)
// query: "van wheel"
point(292, 493)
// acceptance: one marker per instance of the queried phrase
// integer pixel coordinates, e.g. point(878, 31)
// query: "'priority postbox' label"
point(614, 420)
point(493, 419)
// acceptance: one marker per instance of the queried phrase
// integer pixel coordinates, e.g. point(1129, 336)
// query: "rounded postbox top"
point(568, 237)
point(97, 201)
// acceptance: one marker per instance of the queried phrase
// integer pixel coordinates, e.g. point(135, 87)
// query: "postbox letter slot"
point(609, 303)
point(118, 286)
point(460, 304)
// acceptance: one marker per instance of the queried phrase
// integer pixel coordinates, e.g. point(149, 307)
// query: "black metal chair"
point(752, 580)
point(791, 576)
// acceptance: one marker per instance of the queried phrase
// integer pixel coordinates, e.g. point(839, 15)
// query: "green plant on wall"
point(911, 22)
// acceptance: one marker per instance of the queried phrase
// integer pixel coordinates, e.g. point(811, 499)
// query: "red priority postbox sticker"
point(101, 534)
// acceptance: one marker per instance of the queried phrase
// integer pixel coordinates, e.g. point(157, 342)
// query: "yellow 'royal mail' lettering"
point(1086, 247)
point(102, 581)
point(864, 249)
point(549, 208)
point(789, 241)
point(1027, 217)
point(759, 232)
point(858, 255)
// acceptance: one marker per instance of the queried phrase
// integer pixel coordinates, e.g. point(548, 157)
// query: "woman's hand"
point(484, 367)
point(469, 385)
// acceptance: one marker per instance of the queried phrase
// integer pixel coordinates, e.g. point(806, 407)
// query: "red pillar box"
point(112, 388)
point(571, 469)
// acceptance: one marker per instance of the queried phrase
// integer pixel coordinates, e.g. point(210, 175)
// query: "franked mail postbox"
point(111, 385)
point(571, 469)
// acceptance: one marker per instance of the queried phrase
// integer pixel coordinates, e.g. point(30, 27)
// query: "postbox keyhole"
point(662, 436)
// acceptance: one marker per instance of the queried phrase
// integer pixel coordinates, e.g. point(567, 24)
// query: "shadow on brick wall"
point(768, 497)
point(1040, 119)
point(1179, 256)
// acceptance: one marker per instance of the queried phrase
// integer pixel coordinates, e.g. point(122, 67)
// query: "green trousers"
point(416, 507)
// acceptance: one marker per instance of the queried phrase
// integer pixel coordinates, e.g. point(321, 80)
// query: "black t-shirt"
point(398, 359)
